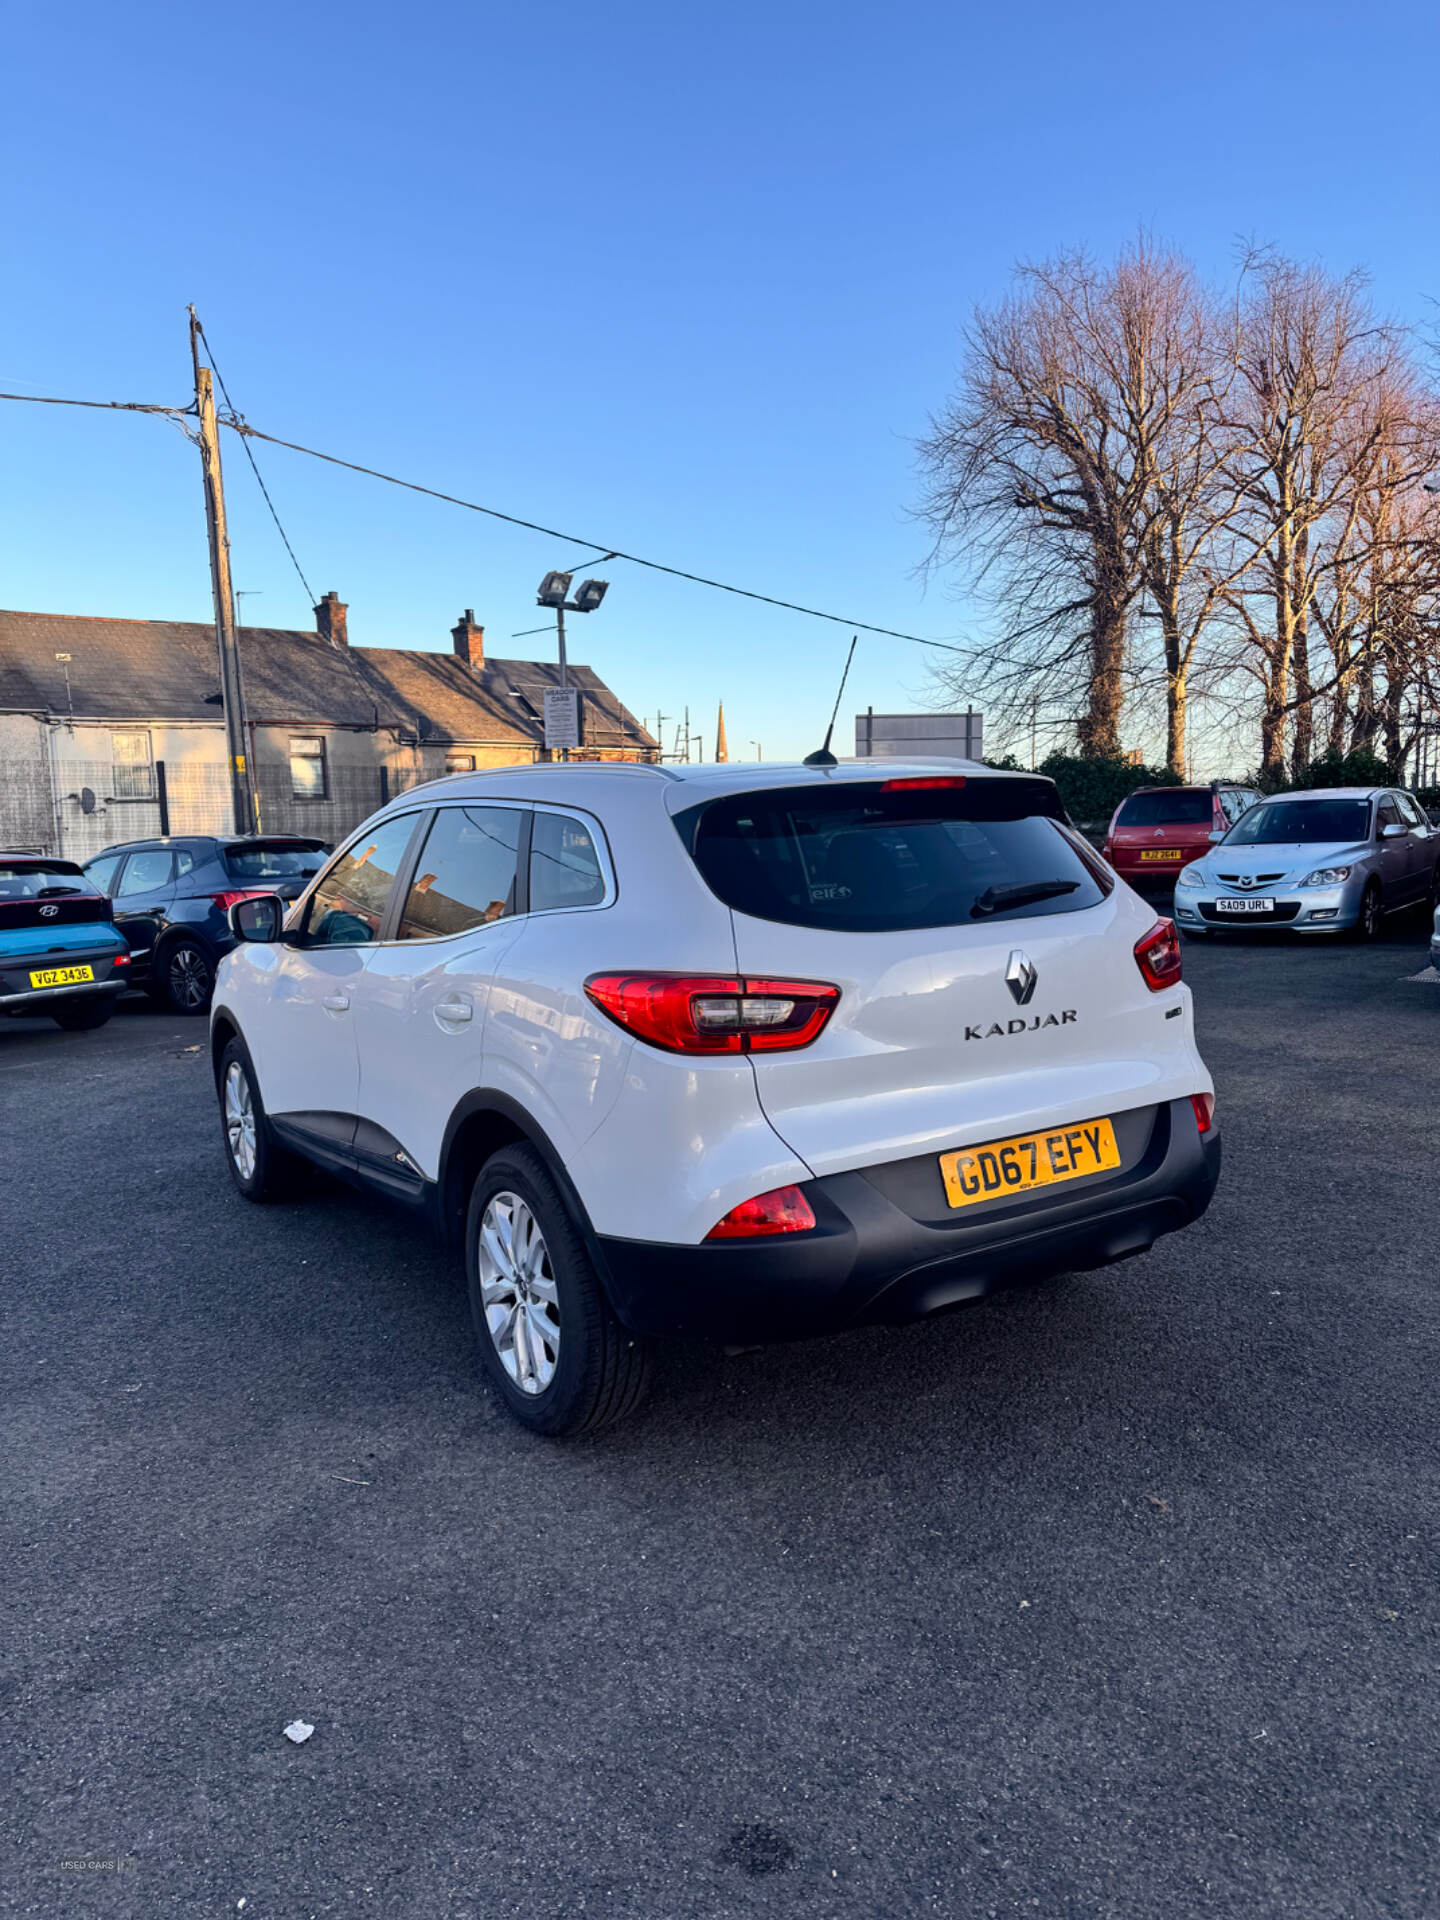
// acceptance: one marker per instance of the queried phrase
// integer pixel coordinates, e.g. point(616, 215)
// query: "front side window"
point(465, 876)
point(348, 906)
point(565, 868)
point(1301, 823)
point(893, 856)
point(1184, 807)
point(133, 769)
point(1410, 811)
point(1387, 815)
point(307, 766)
point(101, 873)
point(145, 873)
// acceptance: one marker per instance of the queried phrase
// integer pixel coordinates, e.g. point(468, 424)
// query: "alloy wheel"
point(1370, 913)
point(239, 1120)
point(518, 1292)
point(189, 976)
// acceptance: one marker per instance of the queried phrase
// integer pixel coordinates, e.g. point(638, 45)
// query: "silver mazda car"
point(1331, 861)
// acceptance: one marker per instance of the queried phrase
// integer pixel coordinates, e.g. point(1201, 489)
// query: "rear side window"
point(24, 880)
point(278, 862)
point(347, 907)
point(881, 859)
point(465, 876)
point(1185, 807)
point(565, 869)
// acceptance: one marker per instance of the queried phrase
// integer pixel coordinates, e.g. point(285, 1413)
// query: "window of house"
point(565, 869)
point(465, 876)
point(133, 766)
point(307, 766)
point(459, 763)
point(348, 906)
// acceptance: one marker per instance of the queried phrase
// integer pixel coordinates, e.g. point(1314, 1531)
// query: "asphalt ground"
point(1115, 1598)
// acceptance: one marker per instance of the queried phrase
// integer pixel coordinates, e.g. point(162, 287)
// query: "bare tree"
point(1309, 422)
point(1032, 485)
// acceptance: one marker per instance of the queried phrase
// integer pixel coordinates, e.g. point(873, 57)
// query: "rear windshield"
point(40, 880)
point(871, 859)
point(1282, 822)
point(285, 860)
point(1182, 808)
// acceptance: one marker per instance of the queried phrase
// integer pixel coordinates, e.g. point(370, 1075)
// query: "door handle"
point(457, 1010)
point(336, 1003)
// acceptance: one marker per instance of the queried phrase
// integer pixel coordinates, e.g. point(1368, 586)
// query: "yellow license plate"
point(1029, 1160)
point(61, 976)
point(1161, 853)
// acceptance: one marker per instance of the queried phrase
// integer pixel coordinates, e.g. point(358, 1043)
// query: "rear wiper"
point(996, 899)
point(48, 893)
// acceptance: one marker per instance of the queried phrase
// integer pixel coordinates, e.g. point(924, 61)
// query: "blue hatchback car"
point(60, 953)
point(172, 900)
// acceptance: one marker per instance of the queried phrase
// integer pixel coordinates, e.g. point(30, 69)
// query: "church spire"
point(722, 752)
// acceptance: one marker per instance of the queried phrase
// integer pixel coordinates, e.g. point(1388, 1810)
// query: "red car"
point(1156, 830)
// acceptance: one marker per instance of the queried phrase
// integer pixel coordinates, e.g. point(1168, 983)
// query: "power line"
point(596, 546)
point(243, 428)
point(254, 469)
point(115, 406)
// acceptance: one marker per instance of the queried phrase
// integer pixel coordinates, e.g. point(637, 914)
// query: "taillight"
point(785, 1210)
point(1204, 1105)
point(1158, 956)
point(701, 1013)
point(227, 900)
point(923, 784)
point(121, 960)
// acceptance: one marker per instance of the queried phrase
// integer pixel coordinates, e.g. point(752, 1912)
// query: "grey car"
point(1335, 860)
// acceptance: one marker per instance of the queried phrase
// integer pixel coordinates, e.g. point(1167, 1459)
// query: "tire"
point(186, 978)
point(1367, 926)
point(262, 1170)
point(557, 1357)
point(85, 1015)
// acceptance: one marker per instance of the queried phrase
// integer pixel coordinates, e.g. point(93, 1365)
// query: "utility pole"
point(232, 690)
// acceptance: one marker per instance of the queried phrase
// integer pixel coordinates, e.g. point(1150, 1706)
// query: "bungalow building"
point(113, 730)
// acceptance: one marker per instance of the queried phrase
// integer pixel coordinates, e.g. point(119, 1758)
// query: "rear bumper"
point(871, 1259)
point(17, 996)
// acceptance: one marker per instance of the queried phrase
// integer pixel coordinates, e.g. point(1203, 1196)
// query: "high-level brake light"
point(708, 1013)
point(922, 784)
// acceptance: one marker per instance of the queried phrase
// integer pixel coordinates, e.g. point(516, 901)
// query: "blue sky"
point(684, 280)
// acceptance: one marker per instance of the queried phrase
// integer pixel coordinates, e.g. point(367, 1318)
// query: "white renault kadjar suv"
point(743, 1051)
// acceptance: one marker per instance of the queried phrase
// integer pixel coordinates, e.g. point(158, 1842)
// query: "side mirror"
point(1217, 833)
point(1392, 832)
point(258, 918)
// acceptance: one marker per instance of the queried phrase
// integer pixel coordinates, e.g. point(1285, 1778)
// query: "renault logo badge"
point(1020, 977)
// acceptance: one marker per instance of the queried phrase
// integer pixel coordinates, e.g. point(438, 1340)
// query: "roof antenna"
point(825, 758)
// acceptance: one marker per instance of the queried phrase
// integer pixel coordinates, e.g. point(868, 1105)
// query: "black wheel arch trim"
point(451, 1204)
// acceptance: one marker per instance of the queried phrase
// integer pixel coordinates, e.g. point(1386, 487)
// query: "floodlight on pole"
point(553, 589)
point(591, 593)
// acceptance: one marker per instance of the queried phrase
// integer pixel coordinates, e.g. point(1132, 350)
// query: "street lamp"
point(552, 591)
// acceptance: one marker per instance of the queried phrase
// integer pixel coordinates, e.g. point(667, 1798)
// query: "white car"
point(742, 1051)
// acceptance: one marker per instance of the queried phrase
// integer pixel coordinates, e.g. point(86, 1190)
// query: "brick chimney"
point(469, 640)
point(330, 620)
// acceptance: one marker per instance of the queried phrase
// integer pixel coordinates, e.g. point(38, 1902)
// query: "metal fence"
point(352, 794)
